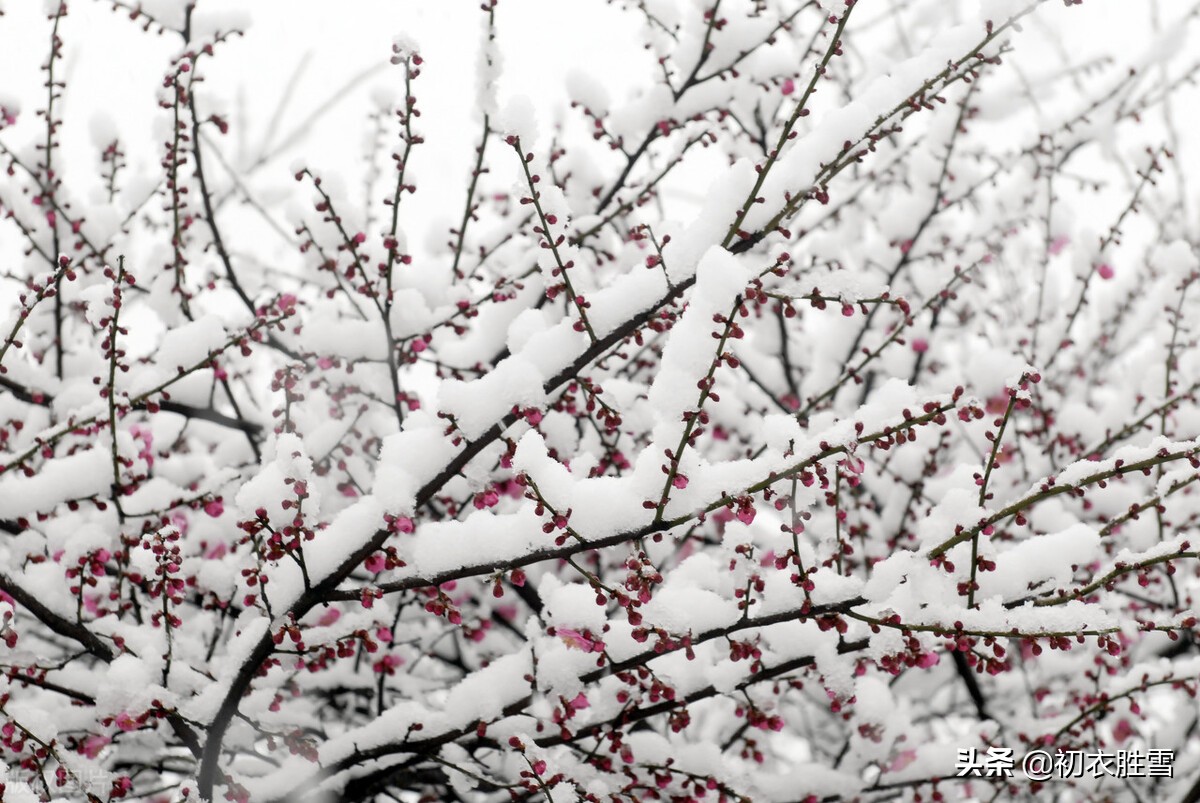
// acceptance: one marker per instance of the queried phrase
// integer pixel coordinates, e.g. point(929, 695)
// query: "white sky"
point(114, 68)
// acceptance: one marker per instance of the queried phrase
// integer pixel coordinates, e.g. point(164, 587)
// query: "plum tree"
point(804, 425)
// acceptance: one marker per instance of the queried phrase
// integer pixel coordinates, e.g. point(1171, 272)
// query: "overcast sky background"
point(115, 69)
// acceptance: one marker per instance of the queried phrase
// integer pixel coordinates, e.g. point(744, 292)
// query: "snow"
point(1042, 563)
point(488, 73)
point(990, 372)
point(600, 508)
point(408, 460)
point(404, 46)
point(477, 404)
point(272, 485)
point(804, 779)
point(959, 506)
point(999, 11)
point(518, 119)
point(571, 605)
point(689, 351)
point(98, 302)
point(848, 285)
point(588, 92)
point(629, 295)
point(410, 314)
point(331, 334)
point(126, 686)
point(875, 705)
point(249, 629)
point(503, 406)
point(187, 346)
point(683, 610)
point(485, 694)
point(800, 165)
point(103, 129)
point(155, 494)
point(722, 201)
point(529, 323)
point(76, 476)
point(888, 574)
point(1177, 258)
point(832, 587)
point(352, 528)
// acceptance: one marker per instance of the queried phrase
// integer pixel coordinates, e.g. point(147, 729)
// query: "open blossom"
point(1058, 244)
point(1123, 730)
point(125, 721)
point(902, 760)
point(400, 524)
point(486, 499)
point(928, 660)
point(576, 640)
point(388, 664)
point(93, 744)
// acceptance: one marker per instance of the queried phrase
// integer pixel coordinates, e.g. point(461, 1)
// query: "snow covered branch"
point(816, 408)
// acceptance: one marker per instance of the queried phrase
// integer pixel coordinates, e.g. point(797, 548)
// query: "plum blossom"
point(582, 463)
point(577, 640)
